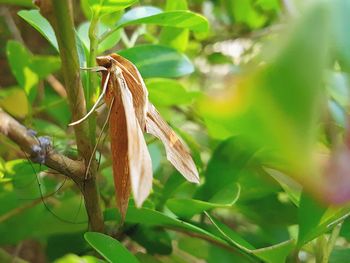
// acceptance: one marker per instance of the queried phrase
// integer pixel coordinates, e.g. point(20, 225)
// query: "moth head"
point(105, 61)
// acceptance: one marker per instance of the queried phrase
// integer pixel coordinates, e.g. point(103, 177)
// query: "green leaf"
point(154, 240)
point(110, 248)
point(101, 8)
point(57, 108)
point(158, 61)
point(109, 42)
point(71, 258)
point(62, 244)
point(277, 253)
point(150, 15)
point(231, 157)
point(244, 12)
point(168, 92)
point(24, 3)
point(20, 60)
point(228, 234)
point(194, 246)
point(174, 37)
point(45, 65)
point(273, 254)
point(291, 187)
point(36, 20)
point(28, 69)
point(156, 156)
point(339, 255)
point(285, 93)
point(146, 258)
point(310, 215)
point(218, 58)
point(269, 4)
point(44, 127)
point(218, 254)
point(23, 191)
point(150, 218)
point(14, 101)
point(187, 208)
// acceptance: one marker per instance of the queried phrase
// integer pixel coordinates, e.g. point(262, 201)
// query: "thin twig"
point(331, 242)
point(57, 86)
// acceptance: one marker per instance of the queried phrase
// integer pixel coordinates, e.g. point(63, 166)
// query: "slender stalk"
point(320, 247)
point(92, 76)
point(331, 242)
point(60, 15)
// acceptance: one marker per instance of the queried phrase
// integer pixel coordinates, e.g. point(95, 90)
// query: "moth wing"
point(119, 146)
point(137, 87)
point(140, 163)
point(177, 153)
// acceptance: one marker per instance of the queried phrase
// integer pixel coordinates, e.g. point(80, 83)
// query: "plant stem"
point(331, 242)
point(60, 15)
point(92, 77)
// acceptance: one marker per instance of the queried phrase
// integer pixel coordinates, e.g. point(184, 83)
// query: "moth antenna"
point(98, 139)
point(96, 103)
point(127, 71)
point(42, 197)
point(95, 69)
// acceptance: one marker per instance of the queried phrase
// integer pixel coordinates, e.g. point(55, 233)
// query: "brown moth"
point(131, 114)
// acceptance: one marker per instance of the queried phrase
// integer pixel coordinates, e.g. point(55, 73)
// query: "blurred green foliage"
point(259, 91)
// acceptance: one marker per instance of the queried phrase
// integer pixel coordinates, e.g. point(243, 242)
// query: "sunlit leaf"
point(24, 3)
point(15, 102)
point(109, 6)
point(36, 20)
point(108, 43)
point(71, 258)
point(151, 15)
point(158, 61)
point(28, 68)
point(186, 208)
point(110, 248)
point(167, 92)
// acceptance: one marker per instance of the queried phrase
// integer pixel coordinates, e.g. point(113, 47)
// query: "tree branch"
point(60, 15)
point(31, 145)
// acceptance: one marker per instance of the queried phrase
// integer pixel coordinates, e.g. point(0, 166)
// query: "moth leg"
point(95, 69)
point(98, 140)
point(96, 104)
